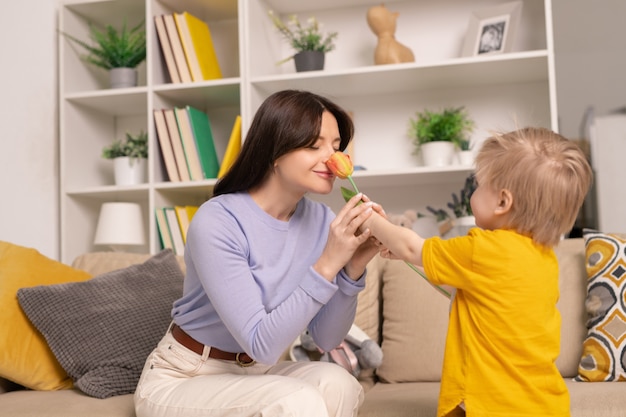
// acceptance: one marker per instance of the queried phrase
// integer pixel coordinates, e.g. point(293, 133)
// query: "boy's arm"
point(404, 243)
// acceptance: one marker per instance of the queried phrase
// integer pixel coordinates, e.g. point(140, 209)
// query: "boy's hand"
point(386, 253)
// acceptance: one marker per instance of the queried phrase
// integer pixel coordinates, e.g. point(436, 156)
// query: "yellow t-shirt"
point(504, 330)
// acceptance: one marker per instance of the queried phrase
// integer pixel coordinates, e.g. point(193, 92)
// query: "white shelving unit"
point(499, 91)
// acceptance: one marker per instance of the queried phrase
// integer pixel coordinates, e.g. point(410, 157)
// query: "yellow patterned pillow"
point(604, 349)
point(25, 357)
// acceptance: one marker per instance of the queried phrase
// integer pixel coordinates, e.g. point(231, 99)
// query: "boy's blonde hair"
point(548, 176)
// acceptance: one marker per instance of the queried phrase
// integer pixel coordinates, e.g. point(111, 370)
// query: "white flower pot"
point(129, 171)
point(466, 158)
point(461, 226)
point(437, 154)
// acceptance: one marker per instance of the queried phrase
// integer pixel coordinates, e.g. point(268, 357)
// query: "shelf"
point(410, 176)
point(112, 192)
point(497, 90)
point(126, 101)
point(411, 77)
point(216, 93)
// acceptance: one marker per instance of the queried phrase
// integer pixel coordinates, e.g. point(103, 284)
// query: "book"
point(166, 146)
point(175, 232)
point(203, 135)
point(197, 43)
point(177, 48)
point(164, 231)
point(177, 144)
point(184, 215)
point(166, 49)
point(232, 149)
point(189, 144)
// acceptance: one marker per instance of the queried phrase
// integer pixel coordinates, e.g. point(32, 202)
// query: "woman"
point(263, 264)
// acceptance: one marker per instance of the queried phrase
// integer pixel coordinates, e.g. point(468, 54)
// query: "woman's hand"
point(356, 266)
point(345, 239)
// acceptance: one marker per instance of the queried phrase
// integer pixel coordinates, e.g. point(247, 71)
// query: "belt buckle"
point(243, 364)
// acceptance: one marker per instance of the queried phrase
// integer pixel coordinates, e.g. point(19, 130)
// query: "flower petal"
point(340, 165)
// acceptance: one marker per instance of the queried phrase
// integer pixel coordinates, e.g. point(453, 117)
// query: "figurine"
point(388, 50)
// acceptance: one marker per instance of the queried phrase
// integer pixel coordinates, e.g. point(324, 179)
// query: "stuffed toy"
point(356, 352)
point(405, 219)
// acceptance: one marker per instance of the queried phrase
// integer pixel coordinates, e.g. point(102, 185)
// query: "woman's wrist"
point(354, 272)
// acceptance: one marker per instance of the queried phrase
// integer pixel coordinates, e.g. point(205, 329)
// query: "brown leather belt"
point(242, 359)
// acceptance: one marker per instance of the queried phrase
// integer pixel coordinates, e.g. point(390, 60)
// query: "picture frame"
point(492, 30)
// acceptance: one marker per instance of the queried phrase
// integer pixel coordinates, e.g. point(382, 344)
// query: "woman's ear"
point(505, 201)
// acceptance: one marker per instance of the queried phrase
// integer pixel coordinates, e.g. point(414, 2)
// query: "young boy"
point(504, 329)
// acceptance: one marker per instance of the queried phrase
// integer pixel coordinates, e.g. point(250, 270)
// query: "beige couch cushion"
point(97, 263)
point(573, 289)
point(65, 403)
point(415, 323)
point(368, 307)
point(415, 319)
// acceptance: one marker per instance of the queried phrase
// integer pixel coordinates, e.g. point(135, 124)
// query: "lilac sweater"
point(250, 286)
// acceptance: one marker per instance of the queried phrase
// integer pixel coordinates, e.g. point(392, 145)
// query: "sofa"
point(407, 317)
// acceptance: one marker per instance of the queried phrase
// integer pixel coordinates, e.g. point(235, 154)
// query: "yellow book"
point(198, 46)
point(191, 211)
point(184, 215)
point(232, 149)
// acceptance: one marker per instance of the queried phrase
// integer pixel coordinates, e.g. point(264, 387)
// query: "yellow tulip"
point(340, 165)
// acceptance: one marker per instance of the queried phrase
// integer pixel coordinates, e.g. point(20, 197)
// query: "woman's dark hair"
point(287, 120)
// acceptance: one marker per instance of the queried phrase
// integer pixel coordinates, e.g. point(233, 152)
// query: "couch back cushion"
point(415, 318)
point(97, 263)
point(368, 307)
point(571, 305)
point(415, 322)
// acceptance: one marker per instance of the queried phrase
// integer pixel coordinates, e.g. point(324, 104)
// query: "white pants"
point(178, 382)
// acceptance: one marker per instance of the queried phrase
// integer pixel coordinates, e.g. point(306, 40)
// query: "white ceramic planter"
point(129, 171)
point(462, 225)
point(437, 154)
point(466, 158)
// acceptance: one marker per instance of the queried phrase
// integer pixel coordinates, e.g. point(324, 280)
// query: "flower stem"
point(353, 184)
point(441, 290)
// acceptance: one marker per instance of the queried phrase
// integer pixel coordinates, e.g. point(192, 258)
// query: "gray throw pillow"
point(102, 330)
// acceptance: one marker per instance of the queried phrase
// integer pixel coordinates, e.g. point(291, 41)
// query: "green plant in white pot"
point(445, 130)
point(309, 42)
point(129, 158)
point(119, 52)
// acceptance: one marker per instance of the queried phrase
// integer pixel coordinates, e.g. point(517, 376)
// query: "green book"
point(201, 127)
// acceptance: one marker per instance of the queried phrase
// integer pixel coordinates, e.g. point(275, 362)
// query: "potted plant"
point(120, 52)
point(129, 158)
point(309, 42)
point(437, 135)
point(466, 155)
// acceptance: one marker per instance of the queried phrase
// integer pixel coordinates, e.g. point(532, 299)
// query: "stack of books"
point(187, 48)
point(173, 223)
point(187, 144)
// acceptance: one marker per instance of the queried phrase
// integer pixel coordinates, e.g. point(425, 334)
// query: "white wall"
point(590, 65)
point(589, 39)
point(28, 127)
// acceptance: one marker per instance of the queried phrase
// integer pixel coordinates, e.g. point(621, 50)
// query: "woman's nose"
point(328, 151)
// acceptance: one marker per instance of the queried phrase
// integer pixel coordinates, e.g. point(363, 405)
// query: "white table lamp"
point(120, 225)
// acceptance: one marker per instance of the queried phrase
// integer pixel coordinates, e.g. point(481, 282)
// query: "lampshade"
point(120, 225)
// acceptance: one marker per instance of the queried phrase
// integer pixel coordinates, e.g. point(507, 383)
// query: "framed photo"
point(492, 30)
